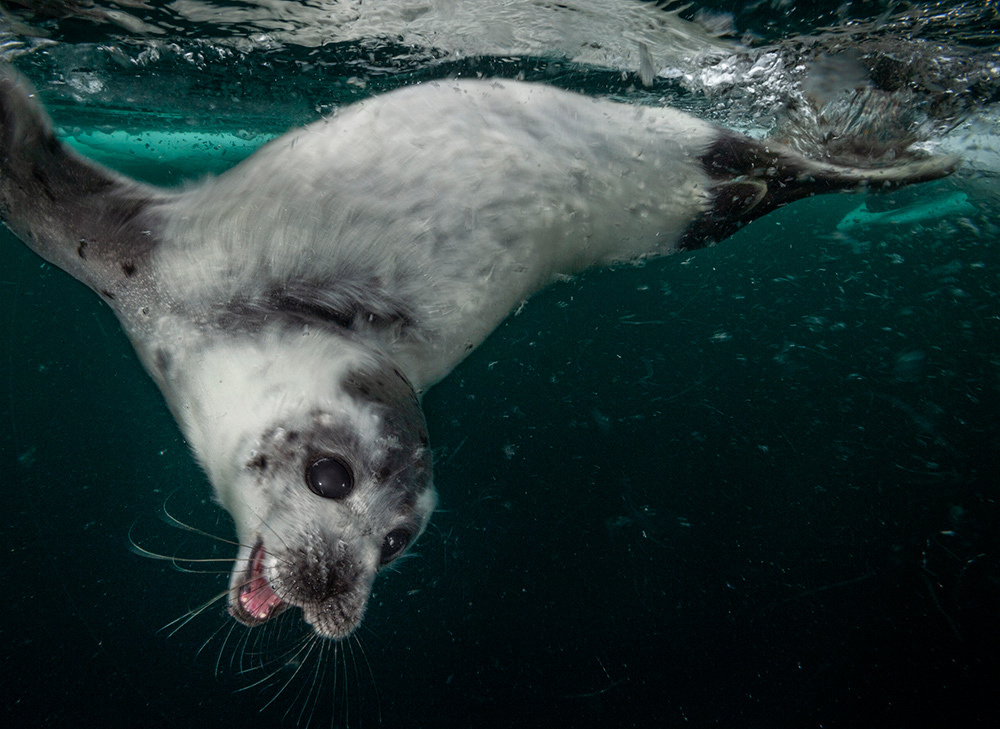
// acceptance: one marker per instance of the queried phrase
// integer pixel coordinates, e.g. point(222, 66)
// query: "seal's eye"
point(393, 544)
point(329, 478)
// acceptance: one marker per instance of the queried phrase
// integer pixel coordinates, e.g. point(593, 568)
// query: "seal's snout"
point(319, 580)
point(326, 579)
point(332, 589)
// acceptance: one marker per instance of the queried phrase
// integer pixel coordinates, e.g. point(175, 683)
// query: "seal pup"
point(293, 309)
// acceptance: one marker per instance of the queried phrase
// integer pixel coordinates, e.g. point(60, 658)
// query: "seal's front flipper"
point(89, 221)
point(750, 178)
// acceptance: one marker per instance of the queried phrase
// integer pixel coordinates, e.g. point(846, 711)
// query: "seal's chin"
point(252, 600)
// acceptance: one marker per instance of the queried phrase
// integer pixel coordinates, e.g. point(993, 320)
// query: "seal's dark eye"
point(393, 544)
point(329, 478)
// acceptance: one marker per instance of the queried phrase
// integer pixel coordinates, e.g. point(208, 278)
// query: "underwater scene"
point(750, 485)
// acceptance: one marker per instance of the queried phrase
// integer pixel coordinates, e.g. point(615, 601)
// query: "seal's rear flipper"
point(85, 219)
point(751, 178)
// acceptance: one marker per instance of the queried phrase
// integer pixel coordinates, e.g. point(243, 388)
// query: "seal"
point(294, 309)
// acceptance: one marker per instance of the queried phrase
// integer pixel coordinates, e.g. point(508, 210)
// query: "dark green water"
point(752, 486)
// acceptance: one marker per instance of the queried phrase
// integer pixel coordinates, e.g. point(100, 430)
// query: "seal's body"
point(293, 309)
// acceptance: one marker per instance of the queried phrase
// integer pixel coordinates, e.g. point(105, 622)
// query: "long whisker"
point(231, 624)
point(178, 623)
point(240, 662)
point(310, 697)
point(178, 562)
point(341, 685)
point(238, 659)
point(371, 673)
point(357, 681)
point(255, 650)
point(173, 521)
point(319, 677)
point(261, 647)
point(307, 646)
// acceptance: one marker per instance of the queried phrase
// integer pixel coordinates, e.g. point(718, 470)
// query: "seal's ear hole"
point(394, 543)
point(330, 478)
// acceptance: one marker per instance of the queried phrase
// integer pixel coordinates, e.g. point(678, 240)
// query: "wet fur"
point(297, 305)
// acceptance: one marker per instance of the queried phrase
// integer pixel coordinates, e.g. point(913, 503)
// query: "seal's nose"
point(318, 577)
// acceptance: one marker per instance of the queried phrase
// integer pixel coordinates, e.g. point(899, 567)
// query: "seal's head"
point(327, 497)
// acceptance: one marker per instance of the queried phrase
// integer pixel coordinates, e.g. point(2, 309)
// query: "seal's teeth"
point(256, 595)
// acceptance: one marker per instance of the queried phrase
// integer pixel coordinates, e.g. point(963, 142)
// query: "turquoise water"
point(751, 486)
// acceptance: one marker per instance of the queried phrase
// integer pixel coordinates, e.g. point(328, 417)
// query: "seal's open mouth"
point(257, 601)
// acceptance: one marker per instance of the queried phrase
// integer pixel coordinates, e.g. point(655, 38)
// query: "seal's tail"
point(72, 212)
point(751, 178)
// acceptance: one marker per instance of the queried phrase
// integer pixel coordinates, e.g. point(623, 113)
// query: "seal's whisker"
point(334, 652)
point(371, 674)
point(302, 654)
point(264, 655)
point(311, 697)
point(337, 690)
point(231, 624)
point(274, 636)
point(233, 652)
point(261, 652)
point(167, 518)
point(238, 660)
point(328, 671)
point(248, 656)
point(177, 623)
point(349, 652)
point(178, 562)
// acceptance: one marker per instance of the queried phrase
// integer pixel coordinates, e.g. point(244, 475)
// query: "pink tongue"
point(257, 597)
